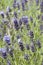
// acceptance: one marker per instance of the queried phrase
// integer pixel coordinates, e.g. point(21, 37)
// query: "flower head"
point(38, 43)
point(27, 46)
point(18, 5)
point(37, 2)
point(16, 25)
point(7, 39)
point(23, 5)
point(25, 19)
point(4, 54)
point(31, 34)
point(8, 9)
point(26, 57)
point(15, 13)
point(2, 14)
point(41, 6)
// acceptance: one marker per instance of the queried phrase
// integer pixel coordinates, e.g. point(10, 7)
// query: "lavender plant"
point(21, 32)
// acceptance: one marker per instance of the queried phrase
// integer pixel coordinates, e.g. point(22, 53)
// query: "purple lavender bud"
point(7, 15)
point(41, 6)
point(7, 39)
point(5, 22)
point(31, 19)
point(25, 19)
point(11, 52)
point(15, 13)
point(2, 14)
point(0, 49)
point(4, 54)
point(14, 1)
point(38, 16)
point(18, 5)
point(18, 36)
point(26, 57)
point(28, 27)
point(20, 22)
point(38, 43)
point(16, 25)
point(31, 34)
point(41, 27)
point(8, 62)
point(23, 6)
point(8, 9)
point(14, 4)
point(32, 48)
point(7, 48)
point(21, 46)
point(27, 46)
point(26, 1)
point(37, 2)
point(0, 35)
point(42, 17)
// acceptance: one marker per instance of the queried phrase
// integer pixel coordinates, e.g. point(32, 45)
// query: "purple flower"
point(4, 54)
point(38, 16)
point(20, 22)
point(42, 17)
point(2, 14)
point(0, 35)
point(15, 14)
point(41, 6)
point(8, 9)
point(14, 4)
point(21, 46)
point(37, 2)
point(32, 48)
point(7, 15)
point(0, 49)
point(26, 1)
point(23, 6)
point(41, 27)
point(16, 25)
point(18, 36)
point(31, 34)
point(18, 5)
point(11, 52)
point(27, 46)
point(8, 62)
point(25, 19)
point(5, 22)
point(14, 1)
point(31, 19)
point(38, 43)
point(28, 27)
point(26, 57)
point(7, 48)
point(7, 39)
